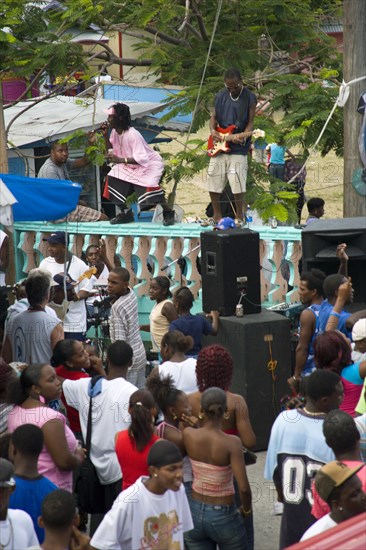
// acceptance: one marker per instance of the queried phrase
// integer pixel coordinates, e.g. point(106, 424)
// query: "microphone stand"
point(181, 262)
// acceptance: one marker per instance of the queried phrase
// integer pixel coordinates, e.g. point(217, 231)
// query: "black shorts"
point(120, 190)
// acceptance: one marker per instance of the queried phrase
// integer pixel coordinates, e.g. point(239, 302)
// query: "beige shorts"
point(227, 168)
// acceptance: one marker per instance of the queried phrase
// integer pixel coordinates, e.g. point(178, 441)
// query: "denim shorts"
point(214, 525)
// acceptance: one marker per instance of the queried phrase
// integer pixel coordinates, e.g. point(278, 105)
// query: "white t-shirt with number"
point(17, 531)
point(75, 319)
point(141, 519)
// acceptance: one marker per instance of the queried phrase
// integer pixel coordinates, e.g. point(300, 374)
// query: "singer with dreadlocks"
point(136, 168)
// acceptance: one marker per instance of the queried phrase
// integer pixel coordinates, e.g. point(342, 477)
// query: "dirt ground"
point(324, 179)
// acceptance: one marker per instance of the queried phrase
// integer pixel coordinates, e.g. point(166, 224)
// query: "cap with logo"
point(226, 223)
point(58, 237)
point(331, 476)
point(59, 281)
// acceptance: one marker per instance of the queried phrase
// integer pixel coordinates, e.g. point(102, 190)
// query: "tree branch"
point(128, 61)
point(200, 22)
point(125, 30)
point(166, 38)
point(193, 31)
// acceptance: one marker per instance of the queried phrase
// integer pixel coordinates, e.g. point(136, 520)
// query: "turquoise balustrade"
point(144, 248)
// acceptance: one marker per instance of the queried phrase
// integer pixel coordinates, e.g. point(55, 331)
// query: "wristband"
point(335, 314)
point(125, 160)
point(245, 513)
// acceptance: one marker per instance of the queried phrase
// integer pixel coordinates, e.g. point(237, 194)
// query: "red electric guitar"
point(216, 147)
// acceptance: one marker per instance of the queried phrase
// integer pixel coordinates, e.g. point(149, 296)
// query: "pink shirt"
point(130, 144)
point(39, 416)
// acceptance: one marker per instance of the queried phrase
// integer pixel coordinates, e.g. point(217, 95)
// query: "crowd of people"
point(99, 452)
point(177, 435)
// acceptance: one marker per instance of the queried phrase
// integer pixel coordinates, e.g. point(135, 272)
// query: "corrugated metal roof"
point(59, 116)
point(87, 37)
point(336, 27)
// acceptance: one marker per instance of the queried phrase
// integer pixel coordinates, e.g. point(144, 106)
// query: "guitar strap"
point(68, 266)
point(242, 111)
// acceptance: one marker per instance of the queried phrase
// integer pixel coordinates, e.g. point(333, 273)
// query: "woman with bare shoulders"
point(216, 459)
point(215, 368)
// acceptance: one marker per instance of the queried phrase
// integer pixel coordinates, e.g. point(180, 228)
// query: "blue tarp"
point(41, 199)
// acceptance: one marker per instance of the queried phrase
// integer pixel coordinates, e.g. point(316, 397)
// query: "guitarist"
point(234, 105)
point(60, 260)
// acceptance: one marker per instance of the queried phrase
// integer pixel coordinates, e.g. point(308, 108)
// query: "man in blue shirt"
point(234, 105)
point(346, 320)
point(31, 487)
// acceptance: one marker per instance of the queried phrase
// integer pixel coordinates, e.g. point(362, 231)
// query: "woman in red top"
point(133, 445)
point(71, 361)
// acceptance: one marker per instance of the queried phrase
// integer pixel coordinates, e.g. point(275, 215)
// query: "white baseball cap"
point(359, 330)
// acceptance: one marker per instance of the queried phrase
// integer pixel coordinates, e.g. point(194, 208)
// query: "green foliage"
point(270, 196)
point(296, 68)
point(30, 41)
point(95, 150)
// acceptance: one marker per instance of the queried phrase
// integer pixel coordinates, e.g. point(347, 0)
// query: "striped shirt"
point(124, 325)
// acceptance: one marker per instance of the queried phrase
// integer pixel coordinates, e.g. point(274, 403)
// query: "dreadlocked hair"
point(123, 115)
point(141, 428)
point(163, 391)
point(214, 368)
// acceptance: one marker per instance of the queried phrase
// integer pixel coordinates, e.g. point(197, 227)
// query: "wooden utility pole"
point(354, 66)
point(3, 147)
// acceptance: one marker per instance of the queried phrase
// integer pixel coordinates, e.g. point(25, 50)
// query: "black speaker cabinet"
point(230, 269)
point(254, 341)
point(319, 243)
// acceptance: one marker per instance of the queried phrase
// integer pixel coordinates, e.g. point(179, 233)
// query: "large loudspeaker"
point(319, 243)
point(230, 268)
point(258, 344)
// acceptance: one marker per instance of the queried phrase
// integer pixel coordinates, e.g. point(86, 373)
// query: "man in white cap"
point(60, 260)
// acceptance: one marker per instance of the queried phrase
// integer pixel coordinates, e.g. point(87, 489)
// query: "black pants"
point(111, 492)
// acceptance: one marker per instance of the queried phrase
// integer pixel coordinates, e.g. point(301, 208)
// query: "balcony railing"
point(145, 248)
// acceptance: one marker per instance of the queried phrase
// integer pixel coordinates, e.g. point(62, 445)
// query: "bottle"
point(274, 222)
point(249, 215)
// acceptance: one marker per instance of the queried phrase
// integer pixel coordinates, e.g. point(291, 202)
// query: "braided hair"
point(214, 368)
